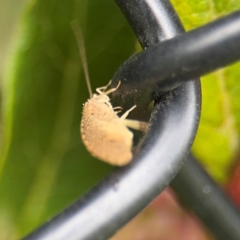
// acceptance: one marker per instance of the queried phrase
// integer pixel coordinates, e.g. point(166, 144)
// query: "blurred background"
point(44, 166)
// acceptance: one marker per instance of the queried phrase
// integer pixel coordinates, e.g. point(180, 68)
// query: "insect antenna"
point(81, 46)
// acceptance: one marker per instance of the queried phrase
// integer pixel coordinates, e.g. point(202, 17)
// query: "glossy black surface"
point(182, 58)
point(201, 194)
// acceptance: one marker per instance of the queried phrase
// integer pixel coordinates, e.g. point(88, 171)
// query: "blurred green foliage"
point(217, 141)
point(44, 165)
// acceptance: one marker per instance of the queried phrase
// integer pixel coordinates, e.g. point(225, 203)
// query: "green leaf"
point(44, 165)
point(217, 141)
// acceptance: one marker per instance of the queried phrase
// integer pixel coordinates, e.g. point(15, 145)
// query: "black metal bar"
point(219, 40)
point(201, 194)
point(173, 124)
point(185, 57)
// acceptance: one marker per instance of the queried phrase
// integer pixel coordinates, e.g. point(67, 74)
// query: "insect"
point(103, 132)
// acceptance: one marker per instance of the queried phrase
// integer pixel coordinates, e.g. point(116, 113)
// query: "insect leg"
point(127, 112)
point(135, 124)
point(113, 89)
point(117, 109)
point(101, 90)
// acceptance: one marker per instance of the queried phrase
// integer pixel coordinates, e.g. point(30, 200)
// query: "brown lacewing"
point(103, 132)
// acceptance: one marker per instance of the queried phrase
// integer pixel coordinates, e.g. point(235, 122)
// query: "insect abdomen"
point(104, 134)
